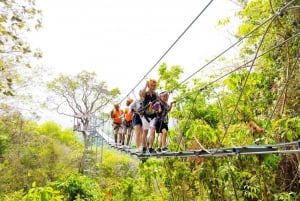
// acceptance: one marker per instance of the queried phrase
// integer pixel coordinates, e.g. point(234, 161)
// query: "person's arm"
point(132, 107)
point(143, 91)
point(171, 104)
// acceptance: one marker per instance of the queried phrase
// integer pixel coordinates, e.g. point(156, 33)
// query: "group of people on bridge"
point(147, 116)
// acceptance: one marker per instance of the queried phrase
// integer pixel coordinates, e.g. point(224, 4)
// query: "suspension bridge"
point(97, 139)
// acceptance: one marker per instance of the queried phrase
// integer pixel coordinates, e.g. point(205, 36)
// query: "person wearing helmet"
point(137, 122)
point(162, 108)
point(127, 124)
point(116, 116)
point(149, 96)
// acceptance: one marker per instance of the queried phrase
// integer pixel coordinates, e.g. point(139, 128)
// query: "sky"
point(121, 40)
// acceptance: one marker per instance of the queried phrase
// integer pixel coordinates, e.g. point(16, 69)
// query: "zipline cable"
point(167, 51)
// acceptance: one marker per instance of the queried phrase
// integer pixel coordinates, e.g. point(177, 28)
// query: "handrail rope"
point(284, 88)
point(247, 77)
point(244, 64)
point(273, 16)
point(226, 50)
point(285, 144)
point(241, 66)
point(233, 151)
point(245, 37)
point(234, 44)
point(167, 51)
point(278, 145)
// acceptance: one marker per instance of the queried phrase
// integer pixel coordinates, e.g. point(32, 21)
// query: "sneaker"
point(165, 149)
point(144, 150)
point(158, 150)
point(152, 151)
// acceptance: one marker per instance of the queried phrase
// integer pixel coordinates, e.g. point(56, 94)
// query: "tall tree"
point(81, 96)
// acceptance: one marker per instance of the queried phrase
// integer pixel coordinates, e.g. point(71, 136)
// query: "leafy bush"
point(78, 187)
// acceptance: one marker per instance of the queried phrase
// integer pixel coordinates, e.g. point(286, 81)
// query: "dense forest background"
point(255, 99)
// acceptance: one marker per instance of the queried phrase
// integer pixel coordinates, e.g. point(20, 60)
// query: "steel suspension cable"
point(168, 50)
point(237, 42)
point(248, 62)
point(247, 77)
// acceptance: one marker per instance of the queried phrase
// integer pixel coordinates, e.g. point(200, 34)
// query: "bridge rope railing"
point(282, 148)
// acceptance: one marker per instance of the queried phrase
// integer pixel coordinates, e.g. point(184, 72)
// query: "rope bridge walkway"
point(284, 148)
point(93, 152)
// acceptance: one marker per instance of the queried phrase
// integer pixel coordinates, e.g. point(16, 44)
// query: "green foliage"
point(255, 99)
point(168, 78)
point(287, 129)
point(277, 64)
point(285, 196)
point(15, 196)
point(4, 142)
point(272, 161)
point(217, 116)
point(78, 187)
point(43, 194)
point(54, 130)
point(30, 157)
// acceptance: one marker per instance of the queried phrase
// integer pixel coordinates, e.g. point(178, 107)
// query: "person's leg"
point(137, 136)
point(152, 135)
point(163, 138)
point(145, 137)
point(124, 131)
point(159, 141)
point(158, 131)
point(146, 126)
point(140, 135)
point(128, 135)
point(115, 134)
point(120, 131)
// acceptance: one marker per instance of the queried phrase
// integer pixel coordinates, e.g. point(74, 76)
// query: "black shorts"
point(160, 125)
